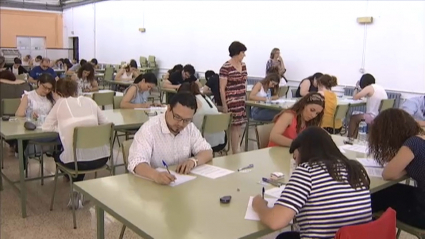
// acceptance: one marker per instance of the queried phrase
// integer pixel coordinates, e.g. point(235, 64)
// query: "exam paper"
point(211, 171)
point(374, 172)
point(152, 108)
point(180, 178)
point(368, 162)
point(274, 192)
point(356, 148)
point(251, 214)
point(281, 101)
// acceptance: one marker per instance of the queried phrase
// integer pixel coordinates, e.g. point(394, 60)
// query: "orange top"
point(291, 131)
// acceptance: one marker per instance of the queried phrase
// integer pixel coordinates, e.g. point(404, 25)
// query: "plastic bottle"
point(362, 135)
point(269, 96)
point(29, 111)
point(80, 88)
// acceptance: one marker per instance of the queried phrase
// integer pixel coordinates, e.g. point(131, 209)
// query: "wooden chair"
point(91, 137)
point(263, 135)
point(283, 91)
point(125, 152)
point(216, 123)
point(103, 99)
point(340, 114)
point(386, 104)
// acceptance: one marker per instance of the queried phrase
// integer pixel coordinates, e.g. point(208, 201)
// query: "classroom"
point(212, 119)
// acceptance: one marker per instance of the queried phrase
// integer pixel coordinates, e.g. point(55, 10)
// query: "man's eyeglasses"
point(178, 118)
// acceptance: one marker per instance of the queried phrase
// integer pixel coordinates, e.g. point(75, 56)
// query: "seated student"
point(308, 85)
point(85, 79)
point(71, 111)
point(259, 93)
point(325, 192)
point(169, 137)
point(308, 111)
point(17, 68)
point(178, 78)
point(67, 65)
point(176, 68)
point(94, 63)
point(397, 142)
point(58, 64)
point(37, 61)
point(127, 72)
point(325, 84)
point(416, 107)
point(136, 95)
point(374, 94)
point(213, 87)
point(74, 69)
point(43, 68)
point(205, 107)
point(27, 61)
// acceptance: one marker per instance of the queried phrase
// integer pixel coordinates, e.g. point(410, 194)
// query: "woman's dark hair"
point(178, 67)
point(235, 48)
point(327, 81)
point(266, 81)
point(316, 147)
point(298, 107)
point(94, 61)
point(208, 74)
point(66, 87)
point(366, 80)
point(133, 64)
point(316, 76)
point(59, 60)
point(39, 57)
point(47, 78)
point(83, 62)
point(67, 62)
point(86, 67)
point(189, 69)
point(17, 61)
point(191, 87)
point(390, 129)
point(185, 99)
point(148, 77)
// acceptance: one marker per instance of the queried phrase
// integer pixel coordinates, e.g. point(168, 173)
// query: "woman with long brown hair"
point(259, 93)
point(397, 142)
point(308, 111)
point(325, 84)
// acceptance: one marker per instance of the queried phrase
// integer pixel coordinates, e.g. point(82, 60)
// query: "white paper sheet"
point(152, 108)
point(374, 172)
point(211, 171)
point(341, 149)
point(274, 192)
point(368, 162)
point(180, 178)
point(284, 100)
point(356, 148)
point(251, 214)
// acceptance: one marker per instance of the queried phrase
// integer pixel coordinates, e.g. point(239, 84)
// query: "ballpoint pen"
point(166, 166)
point(247, 167)
point(263, 192)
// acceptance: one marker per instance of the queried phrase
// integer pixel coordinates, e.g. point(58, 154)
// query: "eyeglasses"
point(46, 88)
point(178, 118)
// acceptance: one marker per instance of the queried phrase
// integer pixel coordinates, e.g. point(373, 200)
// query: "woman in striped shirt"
point(325, 192)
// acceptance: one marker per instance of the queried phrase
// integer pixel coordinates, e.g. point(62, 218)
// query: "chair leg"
point(244, 134)
point(54, 189)
point(95, 174)
point(1, 157)
point(122, 232)
point(74, 217)
point(42, 166)
point(398, 233)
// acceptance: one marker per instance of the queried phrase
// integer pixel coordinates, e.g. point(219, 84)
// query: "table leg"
point(248, 116)
point(1, 162)
point(100, 223)
point(22, 179)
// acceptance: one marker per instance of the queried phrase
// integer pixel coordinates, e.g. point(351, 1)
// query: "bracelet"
point(195, 161)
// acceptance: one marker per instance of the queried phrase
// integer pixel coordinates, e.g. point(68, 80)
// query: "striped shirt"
point(322, 204)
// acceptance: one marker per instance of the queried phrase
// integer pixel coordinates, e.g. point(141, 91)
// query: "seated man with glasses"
point(172, 138)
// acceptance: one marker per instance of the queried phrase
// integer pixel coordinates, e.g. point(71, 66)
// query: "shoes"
point(75, 200)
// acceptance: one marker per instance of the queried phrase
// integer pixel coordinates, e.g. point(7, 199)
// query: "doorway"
point(75, 45)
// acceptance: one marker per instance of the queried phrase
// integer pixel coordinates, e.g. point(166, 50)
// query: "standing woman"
point(233, 76)
point(85, 78)
point(277, 61)
point(308, 85)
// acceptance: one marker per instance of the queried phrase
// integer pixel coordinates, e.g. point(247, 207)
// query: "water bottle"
point(269, 96)
point(362, 136)
point(29, 111)
point(80, 88)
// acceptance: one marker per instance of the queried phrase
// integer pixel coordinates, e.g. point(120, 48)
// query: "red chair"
point(383, 228)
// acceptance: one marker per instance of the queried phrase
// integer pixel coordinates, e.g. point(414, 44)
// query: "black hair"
point(82, 62)
point(86, 67)
point(133, 64)
point(39, 57)
point(316, 76)
point(209, 73)
point(189, 69)
point(366, 80)
point(148, 77)
point(186, 99)
point(67, 62)
point(17, 61)
point(47, 78)
point(94, 61)
point(235, 48)
point(176, 68)
point(316, 147)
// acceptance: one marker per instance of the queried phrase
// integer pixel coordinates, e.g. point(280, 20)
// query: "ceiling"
point(53, 5)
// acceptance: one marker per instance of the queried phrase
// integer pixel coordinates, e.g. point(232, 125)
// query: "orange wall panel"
point(15, 23)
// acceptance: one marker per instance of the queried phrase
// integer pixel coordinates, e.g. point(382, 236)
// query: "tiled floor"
point(42, 223)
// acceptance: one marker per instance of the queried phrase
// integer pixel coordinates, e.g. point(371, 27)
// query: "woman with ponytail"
point(325, 84)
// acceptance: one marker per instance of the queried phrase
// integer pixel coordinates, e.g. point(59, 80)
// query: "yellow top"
point(331, 102)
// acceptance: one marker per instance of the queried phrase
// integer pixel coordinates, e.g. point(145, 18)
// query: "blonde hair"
point(273, 52)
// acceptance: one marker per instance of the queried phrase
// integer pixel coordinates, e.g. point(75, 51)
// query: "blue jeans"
point(261, 114)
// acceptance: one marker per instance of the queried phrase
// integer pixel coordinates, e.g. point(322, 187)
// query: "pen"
point(263, 192)
point(247, 167)
point(166, 166)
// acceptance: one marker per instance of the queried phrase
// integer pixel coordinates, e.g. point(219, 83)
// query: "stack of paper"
point(153, 108)
point(251, 214)
point(211, 171)
point(368, 162)
point(355, 147)
point(374, 172)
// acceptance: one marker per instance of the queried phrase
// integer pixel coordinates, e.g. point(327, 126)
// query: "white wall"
point(312, 35)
